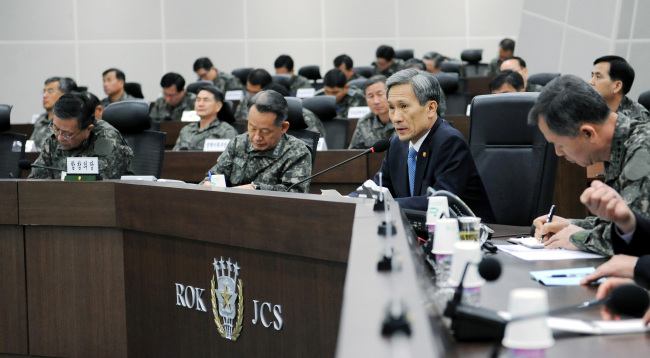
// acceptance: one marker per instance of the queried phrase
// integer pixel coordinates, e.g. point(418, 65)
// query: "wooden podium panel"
point(13, 310)
point(8, 202)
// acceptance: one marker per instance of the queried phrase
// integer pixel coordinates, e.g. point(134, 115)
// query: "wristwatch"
point(255, 185)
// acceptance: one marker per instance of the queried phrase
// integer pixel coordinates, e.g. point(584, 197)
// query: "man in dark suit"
point(436, 153)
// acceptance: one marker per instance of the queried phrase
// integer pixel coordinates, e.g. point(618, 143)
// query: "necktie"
point(411, 165)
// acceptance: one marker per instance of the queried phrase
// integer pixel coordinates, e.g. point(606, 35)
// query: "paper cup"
point(446, 234)
point(533, 333)
point(464, 252)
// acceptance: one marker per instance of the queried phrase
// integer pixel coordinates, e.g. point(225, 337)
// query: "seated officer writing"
point(76, 133)
point(427, 151)
point(265, 158)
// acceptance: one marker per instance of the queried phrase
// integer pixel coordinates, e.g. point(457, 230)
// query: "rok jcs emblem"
point(227, 299)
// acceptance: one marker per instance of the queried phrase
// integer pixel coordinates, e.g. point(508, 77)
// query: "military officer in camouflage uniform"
point(347, 96)
point(345, 64)
point(55, 87)
point(613, 77)
point(284, 66)
point(175, 99)
point(386, 63)
point(114, 80)
point(265, 158)
point(208, 103)
point(314, 123)
point(519, 65)
point(375, 125)
point(257, 81)
point(222, 80)
point(76, 133)
point(506, 49)
point(576, 119)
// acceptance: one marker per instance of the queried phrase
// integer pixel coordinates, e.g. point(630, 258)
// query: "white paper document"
point(528, 254)
point(597, 327)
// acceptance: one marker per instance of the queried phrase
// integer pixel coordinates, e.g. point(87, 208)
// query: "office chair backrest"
point(404, 54)
point(132, 119)
point(134, 89)
point(450, 66)
point(226, 113)
point(474, 67)
point(283, 79)
point(515, 162)
point(322, 106)
point(448, 81)
point(365, 71)
point(5, 117)
point(296, 119)
point(644, 99)
point(311, 72)
point(542, 78)
point(472, 56)
point(12, 146)
point(359, 83)
point(338, 131)
point(195, 86)
point(242, 74)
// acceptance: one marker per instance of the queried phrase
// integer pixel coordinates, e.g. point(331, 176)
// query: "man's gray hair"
point(424, 84)
point(270, 101)
point(566, 103)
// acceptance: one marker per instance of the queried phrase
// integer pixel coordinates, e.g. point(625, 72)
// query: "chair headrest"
point(509, 113)
point(296, 119)
point(226, 113)
point(472, 56)
point(130, 116)
point(448, 81)
point(644, 99)
point(404, 54)
point(312, 72)
point(283, 79)
point(322, 106)
point(134, 89)
point(194, 86)
point(359, 83)
point(5, 115)
point(542, 78)
point(242, 74)
point(450, 66)
point(364, 71)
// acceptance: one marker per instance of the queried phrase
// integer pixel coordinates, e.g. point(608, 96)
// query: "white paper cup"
point(438, 206)
point(464, 252)
point(533, 333)
point(446, 235)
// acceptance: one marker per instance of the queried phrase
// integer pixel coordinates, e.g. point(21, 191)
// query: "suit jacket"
point(640, 243)
point(444, 162)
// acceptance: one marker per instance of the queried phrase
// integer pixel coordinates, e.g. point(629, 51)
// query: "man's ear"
point(285, 126)
point(588, 130)
point(617, 86)
point(432, 108)
point(219, 106)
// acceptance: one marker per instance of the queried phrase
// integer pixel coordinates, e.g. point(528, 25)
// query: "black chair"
point(644, 99)
point(132, 119)
point(513, 158)
point(298, 127)
point(12, 146)
point(283, 79)
point(337, 129)
point(542, 78)
point(226, 113)
point(474, 67)
point(311, 72)
point(195, 86)
point(322, 106)
point(405, 54)
point(365, 71)
point(242, 74)
point(456, 100)
point(359, 82)
point(134, 89)
point(450, 66)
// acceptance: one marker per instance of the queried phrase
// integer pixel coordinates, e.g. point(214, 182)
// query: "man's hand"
point(549, 229)
point(560, 240)
point(618, 265)
point(207, 183)
point(245, 186)
point(604, 290)
point(606, 203)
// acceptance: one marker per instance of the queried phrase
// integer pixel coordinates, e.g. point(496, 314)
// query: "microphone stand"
point(330, 168)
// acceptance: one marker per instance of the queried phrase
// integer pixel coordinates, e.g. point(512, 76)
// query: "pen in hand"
point(549, 218)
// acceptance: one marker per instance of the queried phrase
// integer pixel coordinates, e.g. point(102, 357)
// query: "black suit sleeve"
point(640, 243)
point(642, 271)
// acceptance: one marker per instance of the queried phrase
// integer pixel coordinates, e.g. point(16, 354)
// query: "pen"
point(210, 176)
point(548, 220)
point(569, 275)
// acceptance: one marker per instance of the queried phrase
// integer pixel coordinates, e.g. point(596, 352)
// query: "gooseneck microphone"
point(25, 164)
point(379, 146)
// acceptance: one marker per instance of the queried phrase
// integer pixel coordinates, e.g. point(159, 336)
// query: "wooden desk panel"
point(13, 310)
point(8, 202)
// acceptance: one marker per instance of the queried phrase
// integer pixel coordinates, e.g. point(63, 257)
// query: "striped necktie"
point(411, 165)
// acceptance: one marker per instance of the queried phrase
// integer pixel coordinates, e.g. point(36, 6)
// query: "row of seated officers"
point(426, 152)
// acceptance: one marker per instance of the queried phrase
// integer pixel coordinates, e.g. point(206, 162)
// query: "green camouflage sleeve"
point(41, 131)
point(224, 162)
point(241, 113)
point(45, 159)
point(114, 156)
point(183, 140)
point(442, 106)
point(299, 168)
point(234, 84)
point(314, 123)
point(158, 111)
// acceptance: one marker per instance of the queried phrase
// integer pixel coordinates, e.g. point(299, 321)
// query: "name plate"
point(215, 145)
point(305, 92)
point(236, 95)
point(218, 180)
point(358, 112)
point(190, 116)
point(83, 165)
point(322, 145)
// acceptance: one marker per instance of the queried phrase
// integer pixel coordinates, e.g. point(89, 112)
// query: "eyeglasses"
point(64, 135)
point(50, 91)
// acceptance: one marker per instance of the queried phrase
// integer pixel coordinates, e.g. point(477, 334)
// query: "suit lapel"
point(424, 156)
point(402, 162)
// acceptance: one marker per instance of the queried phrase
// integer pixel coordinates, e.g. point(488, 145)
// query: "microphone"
point(25, 164)
point(379, 146)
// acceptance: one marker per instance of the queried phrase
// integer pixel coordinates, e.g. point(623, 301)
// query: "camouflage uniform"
point(534, 87)
point(162, 111)
point(192, 137)
point(355, 76)
point(241, 113)
point(273, 169)
point(397, 66)
point(354, 98)
point(313, 122)
point(104, 142)
point(442, 106)
point(495, 67)
point(227, 82)
point(106, 101)
point(628, 172)
point(633, 110)
point(41, 130)
point(369, 130)
point(298, 81)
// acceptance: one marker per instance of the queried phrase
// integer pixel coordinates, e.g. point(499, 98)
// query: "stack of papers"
point(562, 277)
point(527, 254)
